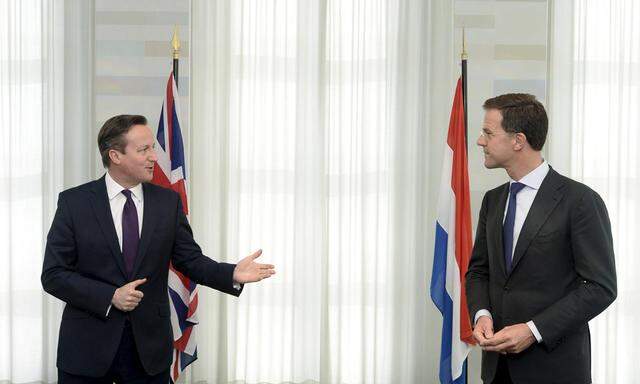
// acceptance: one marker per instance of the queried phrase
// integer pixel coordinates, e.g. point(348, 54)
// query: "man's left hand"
point(511, 339)
point(248, 271)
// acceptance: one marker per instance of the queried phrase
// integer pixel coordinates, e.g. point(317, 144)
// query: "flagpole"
point(175, 43)
point(463, 58)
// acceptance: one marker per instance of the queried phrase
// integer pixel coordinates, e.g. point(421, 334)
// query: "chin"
point(490, 164)
point(146, 178)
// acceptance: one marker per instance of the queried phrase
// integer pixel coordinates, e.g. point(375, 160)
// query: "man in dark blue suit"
point(542, 264)
point(107, 256)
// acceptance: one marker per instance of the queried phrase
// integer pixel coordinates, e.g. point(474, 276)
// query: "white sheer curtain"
point(596, 92)
point(313, 131)
point(35, 167)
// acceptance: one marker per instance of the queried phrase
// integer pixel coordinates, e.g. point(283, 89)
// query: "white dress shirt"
point(117, 200)
point(524, 200)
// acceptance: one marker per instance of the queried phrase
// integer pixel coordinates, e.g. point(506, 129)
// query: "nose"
point(482, 141)
point(152, 155)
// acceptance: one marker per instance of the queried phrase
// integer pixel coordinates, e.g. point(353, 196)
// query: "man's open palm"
point(248, 271)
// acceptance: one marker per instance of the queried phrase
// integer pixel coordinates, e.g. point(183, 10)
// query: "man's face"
point(497, 145)
point(136, 163)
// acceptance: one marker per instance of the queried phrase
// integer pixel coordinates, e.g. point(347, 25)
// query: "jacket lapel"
point(102, 210)
point(498, 247)
point(149, 220)
point(547, 198)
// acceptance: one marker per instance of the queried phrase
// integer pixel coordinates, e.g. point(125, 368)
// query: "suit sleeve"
point(59, 276)
point(477, 277)
point(187, 258)
point(592, 245)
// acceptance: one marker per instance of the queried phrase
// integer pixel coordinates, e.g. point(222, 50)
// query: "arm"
point(592, 246)
point(477, 277)
point(187, 258)
point(59, 276)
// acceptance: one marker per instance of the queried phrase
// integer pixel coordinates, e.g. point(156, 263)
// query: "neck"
point(523, 166)
point(121, 179)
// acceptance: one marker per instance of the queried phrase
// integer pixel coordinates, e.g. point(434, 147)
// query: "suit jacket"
point(563, 275)
point(83, 266)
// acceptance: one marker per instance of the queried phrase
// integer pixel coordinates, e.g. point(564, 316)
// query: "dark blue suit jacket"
point(83, 266)
point(563, 276)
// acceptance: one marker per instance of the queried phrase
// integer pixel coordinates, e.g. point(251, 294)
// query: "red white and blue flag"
point(452, 252)
point(170, 172)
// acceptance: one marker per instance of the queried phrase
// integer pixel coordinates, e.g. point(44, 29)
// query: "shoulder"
point(161, 193)
point(574, 189)
point(496, 192)
point(81, 191)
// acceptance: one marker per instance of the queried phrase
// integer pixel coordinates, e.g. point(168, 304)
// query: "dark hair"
point(111, 135)
point(522, 113)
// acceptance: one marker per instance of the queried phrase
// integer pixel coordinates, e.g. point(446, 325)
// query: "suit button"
point(506, 288)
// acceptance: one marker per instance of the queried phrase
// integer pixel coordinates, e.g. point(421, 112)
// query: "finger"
point(136, 283)
point(137, 294)
point(479, 336)
point(488, 332)
point(502, 344)
point(265, 266)
point(256, 254)
point(133, 299)
point(479, 339)
point(496, 348)
point(497, 339)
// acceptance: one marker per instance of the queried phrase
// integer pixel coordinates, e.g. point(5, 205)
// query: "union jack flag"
point(170, 172)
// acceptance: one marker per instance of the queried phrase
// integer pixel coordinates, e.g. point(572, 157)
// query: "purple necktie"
point(130, 233)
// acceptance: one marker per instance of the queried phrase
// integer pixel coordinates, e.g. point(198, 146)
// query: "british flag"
point(170, 172)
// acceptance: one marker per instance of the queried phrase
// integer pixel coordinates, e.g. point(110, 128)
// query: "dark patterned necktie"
point(130, 232)
point(509, 222)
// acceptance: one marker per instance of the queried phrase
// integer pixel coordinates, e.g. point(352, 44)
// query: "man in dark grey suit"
point(542, 264)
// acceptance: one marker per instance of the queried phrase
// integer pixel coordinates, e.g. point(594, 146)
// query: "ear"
point(114, 156)
point(521, 141)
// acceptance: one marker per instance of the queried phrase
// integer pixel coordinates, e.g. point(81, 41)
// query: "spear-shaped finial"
point(175, 43)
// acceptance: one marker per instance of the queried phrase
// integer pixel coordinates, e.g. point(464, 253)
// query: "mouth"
point(149, 168)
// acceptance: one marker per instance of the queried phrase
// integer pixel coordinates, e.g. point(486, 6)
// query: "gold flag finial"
point(463, 56)
point(175, 43)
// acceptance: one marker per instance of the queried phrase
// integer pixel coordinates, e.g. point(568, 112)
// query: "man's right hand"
point(126, 298)
point(483, 330)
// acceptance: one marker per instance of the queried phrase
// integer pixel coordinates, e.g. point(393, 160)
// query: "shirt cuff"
point(108, 310)
point(482, 312)
point(534, 330)
point(237, 286)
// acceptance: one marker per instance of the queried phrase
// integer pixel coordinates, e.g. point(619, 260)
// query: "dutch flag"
point(453, 245)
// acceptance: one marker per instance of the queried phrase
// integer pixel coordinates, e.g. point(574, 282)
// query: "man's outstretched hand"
point(248, 271)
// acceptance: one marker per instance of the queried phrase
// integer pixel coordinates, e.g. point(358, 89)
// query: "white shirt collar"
point(113, 188)
point(534, 178)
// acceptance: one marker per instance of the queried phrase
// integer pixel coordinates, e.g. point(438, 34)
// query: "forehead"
point(492, 119)
point(139, 134)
